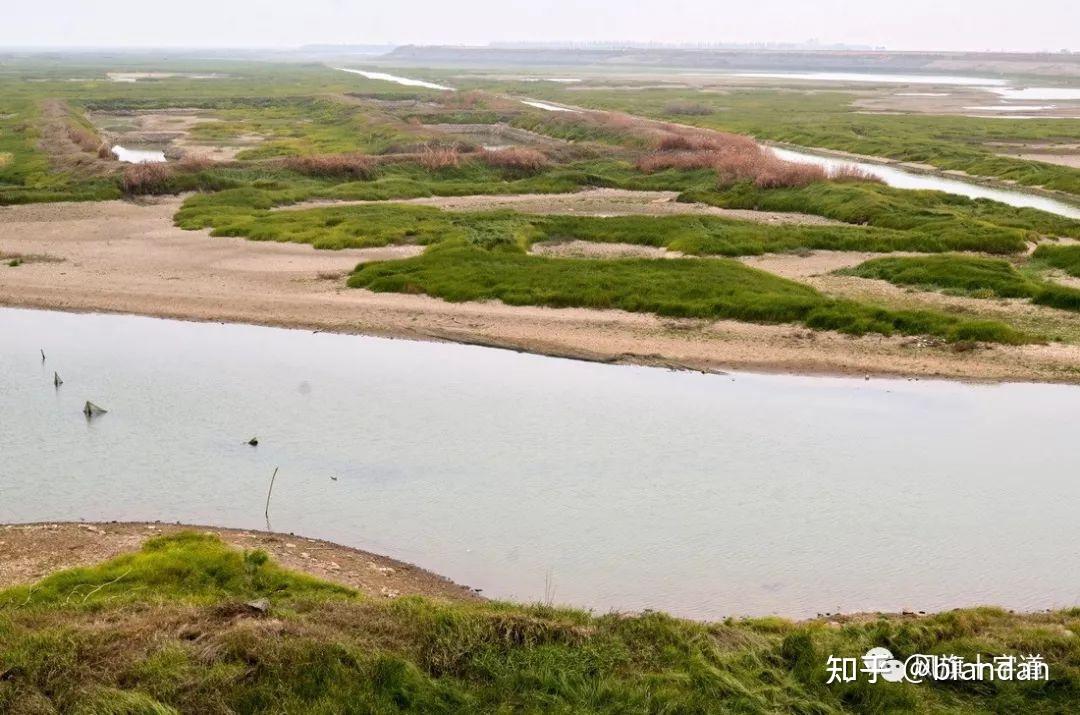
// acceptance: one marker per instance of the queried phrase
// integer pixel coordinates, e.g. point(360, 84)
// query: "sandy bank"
point(122, 257)
point(29, 552)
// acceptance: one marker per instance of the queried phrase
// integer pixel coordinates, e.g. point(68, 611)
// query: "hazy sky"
point(897, 24)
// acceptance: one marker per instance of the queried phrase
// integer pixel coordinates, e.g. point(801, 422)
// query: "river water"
point(901, 179)
point(138, 156)
point(879, 78)
point(620, 487)
point(396, 79)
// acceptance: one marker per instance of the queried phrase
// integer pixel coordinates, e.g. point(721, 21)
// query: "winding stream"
point(623, 487)
point(901, 179)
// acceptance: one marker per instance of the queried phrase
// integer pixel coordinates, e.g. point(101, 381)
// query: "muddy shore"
point(29, 552)
point(124, 257)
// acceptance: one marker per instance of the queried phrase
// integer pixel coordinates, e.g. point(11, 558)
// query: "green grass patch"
point(967, 275)
point(966, 224)
point(1066, 258)
point(247, 212)
point(190, 566)
point(455, 270)
point(164, 631)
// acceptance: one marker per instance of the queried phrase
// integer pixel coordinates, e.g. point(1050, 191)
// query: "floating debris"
point(92, 410)
point(254, 441)
point(56, 381)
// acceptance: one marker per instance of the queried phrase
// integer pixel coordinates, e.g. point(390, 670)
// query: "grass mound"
point(165, 630)
point(967, 275)
point(1067, 258)
point(457, 270)
point(247, 212)
point(942, 219)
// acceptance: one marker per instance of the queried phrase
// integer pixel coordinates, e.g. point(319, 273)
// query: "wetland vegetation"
point(968, 275)
point(302, 156)
point(91, 640)
point(251, 140)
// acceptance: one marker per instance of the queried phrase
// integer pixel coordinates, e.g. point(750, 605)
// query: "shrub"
point(687, 109)
point(461, 100)
point(853, 173)
point(88, 141)
point(734, 164)
point(356, 166)
point(714, 141)
point(193, 163)
point(435, 158)
point(146, 179)
point(519, 159)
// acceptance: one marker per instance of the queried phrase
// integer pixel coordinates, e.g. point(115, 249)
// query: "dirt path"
point(121, 257)
point(29, 552)
point(591, 202)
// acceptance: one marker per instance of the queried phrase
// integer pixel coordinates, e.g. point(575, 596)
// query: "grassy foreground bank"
point(167, 629)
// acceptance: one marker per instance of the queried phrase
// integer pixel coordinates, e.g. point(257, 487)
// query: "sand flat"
point(124, 257)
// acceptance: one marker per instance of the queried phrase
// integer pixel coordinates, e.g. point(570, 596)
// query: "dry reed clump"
point(687, 109)
point(461, 100)
point(854, 173)
point(146, 179)
point(435, 158)
point(521, 159)
point(194, 162)
point(89, 142)
point(733, 158)
point(358, 166)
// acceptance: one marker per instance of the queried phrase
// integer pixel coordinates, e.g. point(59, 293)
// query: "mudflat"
point(118, 256)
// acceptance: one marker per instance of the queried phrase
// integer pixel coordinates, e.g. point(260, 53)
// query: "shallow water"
point(884, 78)
point(1040, 93)
point(396, 79)
point(548, 107)
point(138, 156)
point(894, 176)
point(1014, 108)
point(626, 487)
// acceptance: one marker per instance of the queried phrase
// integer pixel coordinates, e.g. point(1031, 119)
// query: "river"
point(903, 179)
point(615, 487)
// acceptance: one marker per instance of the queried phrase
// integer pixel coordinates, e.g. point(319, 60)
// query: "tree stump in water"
point(92, 410)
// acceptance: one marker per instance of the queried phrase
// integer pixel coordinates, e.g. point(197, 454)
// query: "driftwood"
point(92, 410)
point(268, 493)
